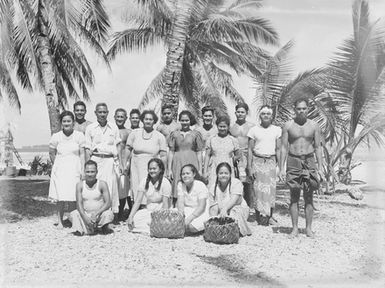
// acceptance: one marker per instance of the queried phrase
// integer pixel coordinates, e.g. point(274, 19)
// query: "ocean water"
point(27, 157)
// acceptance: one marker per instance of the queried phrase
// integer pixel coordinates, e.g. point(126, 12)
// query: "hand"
point(130, 223)
point(95, 217)
point(205, 175)
point(282, 176)
point(188, 220)
point(88, 222)
point(170, 175)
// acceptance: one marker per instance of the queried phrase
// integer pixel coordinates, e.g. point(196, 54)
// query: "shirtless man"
point(301, 140)
point(240, 130)
point(168, 124)
point(124, 182)
point(80, 112)
point(134, 118)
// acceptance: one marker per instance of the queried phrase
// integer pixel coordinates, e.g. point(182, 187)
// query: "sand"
point(348, 250)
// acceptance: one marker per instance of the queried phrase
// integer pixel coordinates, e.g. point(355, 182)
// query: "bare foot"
point(309, 233)
point(294, 233)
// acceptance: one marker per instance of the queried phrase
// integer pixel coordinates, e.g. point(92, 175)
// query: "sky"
point(318, 27)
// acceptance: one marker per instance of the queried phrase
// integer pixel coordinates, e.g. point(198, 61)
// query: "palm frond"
point(95, 19)
point(154, 90)
point(6, 85)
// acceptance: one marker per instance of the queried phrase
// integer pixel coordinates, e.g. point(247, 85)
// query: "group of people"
point(202, 171)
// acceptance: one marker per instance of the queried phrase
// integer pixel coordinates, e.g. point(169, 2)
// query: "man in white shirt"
point(262, 162)
point(102, 145)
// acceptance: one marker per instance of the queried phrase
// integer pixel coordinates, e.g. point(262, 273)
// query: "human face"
point(148, 121)
point(266, 116)
point(154, 170)
point(90, 172)
point(185, 122)
point(120, 118)
point(223, 175)
point(208, 118)
point(80, 112)
point(101, 113)
point(134, 119)
point(167, 115)
point(188, 175)
point(223, 129)
point(67, 124)
point(301, 110)
point(241, 114)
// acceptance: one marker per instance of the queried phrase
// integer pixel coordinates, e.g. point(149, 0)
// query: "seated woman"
point(93, 204)
point(192, 198)
point(157, 190)
point(225, 198)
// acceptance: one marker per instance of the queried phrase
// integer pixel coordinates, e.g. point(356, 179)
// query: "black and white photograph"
point(192, 143)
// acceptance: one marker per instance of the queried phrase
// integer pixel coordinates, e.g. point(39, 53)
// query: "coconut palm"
point(203, 39)
point(42, 48)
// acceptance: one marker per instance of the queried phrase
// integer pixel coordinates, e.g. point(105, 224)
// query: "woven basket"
point(167, 224)
point(221, 230)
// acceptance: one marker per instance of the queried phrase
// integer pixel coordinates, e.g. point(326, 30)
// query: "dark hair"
point(162, 169)
point(66, 113)
point(80, 103)
point(300, 99)
point(121, 110)
point(151, 112)
point(266, 106)
point(223, 118)
point(101, 104)
point(193, 121)
point(207, 108)
point(242, 105)
point(167, 106)
point(220, 165)
point(135, 111)
point(91, 162)
point(195, 171)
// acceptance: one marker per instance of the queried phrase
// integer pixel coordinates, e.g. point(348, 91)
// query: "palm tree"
point(42, 48)
point(203, 38)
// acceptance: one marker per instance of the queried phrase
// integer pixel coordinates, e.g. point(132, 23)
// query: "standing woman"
point(185, 148)
point(142, 145)
point(66, 151)
point(225, 198)
point(220, 148)
point(157, 190)
point(192, 199)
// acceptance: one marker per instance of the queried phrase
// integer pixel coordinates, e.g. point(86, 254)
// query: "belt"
point(103, 155)
point(302, 157)
point(264, 156)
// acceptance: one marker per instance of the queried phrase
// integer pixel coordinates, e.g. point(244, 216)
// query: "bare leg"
point(294, 218)
point(309, 219)
point(60, 213)
point(191, 229)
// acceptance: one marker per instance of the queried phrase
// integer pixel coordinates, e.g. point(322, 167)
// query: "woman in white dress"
point(66, 151)
point(192, 199)
point(225, 198)
point(157, 190)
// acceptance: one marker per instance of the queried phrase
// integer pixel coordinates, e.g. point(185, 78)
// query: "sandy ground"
point(348, 251)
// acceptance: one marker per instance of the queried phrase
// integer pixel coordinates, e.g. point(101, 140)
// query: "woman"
point(192, 198)
point(185, 148)
point(225, 198)
point(220, 148)
point(157, 190)
point(142, 145)
point(66, 151)
point(93, 204)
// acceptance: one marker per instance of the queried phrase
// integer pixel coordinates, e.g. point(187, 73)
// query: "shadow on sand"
point(24, 199)
point(286, 230)
point(235, 269)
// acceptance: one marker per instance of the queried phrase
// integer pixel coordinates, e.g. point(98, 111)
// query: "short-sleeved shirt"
point(197, 192)
point(103, 139)
point(164, 190)
point(166, 130)
point(181, 141)
point(151, 145)
point(207, 134)
point(67, 145)
point(216, 196)
point(265, 139)
point(82, 127)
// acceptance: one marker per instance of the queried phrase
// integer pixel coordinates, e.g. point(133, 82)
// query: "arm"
point(87, 147)
point(165, 202)
point(278, 150)
point(180, 203)
point(163, 157)
point(126, 156)
point(135, 209)
point(234, 200)
point(169, 162)
point(82, 160)
point(284, 149)
point(199, 155)
point(198, 211)
point(250, 157)
point(80, 207)
point(214, 210)
point(206, 162)
point(106, 197)
point(52, 154)
point(318, 149)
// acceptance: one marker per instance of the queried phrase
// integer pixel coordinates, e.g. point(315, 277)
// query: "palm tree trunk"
point(47, 70)
point(175, 55)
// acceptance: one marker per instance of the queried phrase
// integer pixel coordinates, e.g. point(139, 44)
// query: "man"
point(102, 145)
point(93, 204)
point(134, 118)
point(80, 112)
point(264, 140)
point(123, 183)
point(168, 124)
point(239, 130)
point(301, 139)
point(208, 129)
